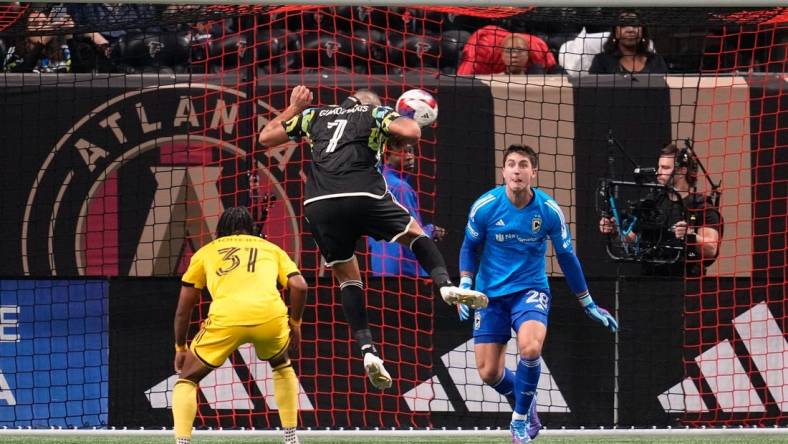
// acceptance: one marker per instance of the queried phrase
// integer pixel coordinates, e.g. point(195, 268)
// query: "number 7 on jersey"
point(339, 128)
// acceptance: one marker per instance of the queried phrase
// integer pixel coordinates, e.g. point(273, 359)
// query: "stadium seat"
point(366, 17)
point(229, 51)
point(419, 21)
point(326, 50)
point(278, 50)
point(137, 49)
point(319, 19)
point(451, 47)
point(413, 51)
point(175, 49)
point(369, 52)
point(462, 22)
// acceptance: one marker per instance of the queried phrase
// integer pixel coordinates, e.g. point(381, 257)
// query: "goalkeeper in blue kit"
point(504, 250)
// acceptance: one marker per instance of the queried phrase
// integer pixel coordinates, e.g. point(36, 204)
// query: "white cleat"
point(472, 298)
point(376, 373)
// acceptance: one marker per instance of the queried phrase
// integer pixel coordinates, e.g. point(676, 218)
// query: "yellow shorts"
point(213, 344)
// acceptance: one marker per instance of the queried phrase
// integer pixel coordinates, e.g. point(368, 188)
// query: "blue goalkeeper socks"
point(525, 382)
point(505, 385)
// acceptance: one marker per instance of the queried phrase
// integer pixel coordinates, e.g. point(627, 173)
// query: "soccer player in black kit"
point(346, 198)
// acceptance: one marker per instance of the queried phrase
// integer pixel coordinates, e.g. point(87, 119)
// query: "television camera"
point(643, 211)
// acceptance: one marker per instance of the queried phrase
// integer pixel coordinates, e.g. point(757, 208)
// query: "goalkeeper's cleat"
point(534, 425)
point(519, 434)
point(376, 373)
point(183, 441)
point(472, 298)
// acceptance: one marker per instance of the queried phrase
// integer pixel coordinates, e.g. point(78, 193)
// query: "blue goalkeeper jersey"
point(512, 242)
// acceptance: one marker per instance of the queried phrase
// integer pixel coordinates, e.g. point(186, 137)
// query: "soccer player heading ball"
point(504, 249)
point(346, 198)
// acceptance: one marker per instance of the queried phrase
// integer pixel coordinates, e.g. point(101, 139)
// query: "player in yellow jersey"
point(241, 271)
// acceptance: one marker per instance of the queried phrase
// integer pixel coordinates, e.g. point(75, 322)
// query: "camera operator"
point(702, 233)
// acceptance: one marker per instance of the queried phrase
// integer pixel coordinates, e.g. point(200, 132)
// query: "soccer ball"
point(419, 105)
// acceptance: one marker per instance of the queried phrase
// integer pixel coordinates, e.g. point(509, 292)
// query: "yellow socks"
point(184, 407)
point(286, 395)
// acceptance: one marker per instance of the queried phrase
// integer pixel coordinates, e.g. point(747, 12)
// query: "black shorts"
point(337, 223)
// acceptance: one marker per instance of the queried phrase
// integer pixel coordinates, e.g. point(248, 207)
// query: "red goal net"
point(122, 154)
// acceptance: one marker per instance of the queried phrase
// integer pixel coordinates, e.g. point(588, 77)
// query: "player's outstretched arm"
point(297, 287)
point(573, 272)
point(274, 133)
point(189, 297)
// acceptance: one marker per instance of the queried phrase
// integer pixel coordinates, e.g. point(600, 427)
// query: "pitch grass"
point(715, 438)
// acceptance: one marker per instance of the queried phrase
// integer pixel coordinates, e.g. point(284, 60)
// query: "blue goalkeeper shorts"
point(494, 324)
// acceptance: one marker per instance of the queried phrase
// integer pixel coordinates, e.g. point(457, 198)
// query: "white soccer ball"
point(419, 105)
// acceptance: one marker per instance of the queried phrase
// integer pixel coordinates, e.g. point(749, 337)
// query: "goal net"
point(128, 130)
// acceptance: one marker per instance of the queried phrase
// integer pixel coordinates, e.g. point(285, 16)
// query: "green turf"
point(596, 439)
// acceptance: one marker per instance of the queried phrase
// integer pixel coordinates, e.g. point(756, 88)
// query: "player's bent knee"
point(489, 372)
point(490, 377)
point(531, 351)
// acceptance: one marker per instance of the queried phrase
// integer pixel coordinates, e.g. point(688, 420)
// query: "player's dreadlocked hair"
point(234, 220)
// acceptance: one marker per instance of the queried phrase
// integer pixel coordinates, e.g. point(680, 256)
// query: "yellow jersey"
point(241, 273)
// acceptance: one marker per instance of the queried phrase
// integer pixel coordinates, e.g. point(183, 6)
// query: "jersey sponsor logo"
point(500, 223)
point(503, 237)
point(138, 183)
point(722, 370)
point(536, 223)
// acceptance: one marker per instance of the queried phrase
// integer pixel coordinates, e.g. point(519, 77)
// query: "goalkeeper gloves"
point(463, 311)
point(598, 314)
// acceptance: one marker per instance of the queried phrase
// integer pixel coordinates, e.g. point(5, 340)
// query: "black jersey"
point(347, 144)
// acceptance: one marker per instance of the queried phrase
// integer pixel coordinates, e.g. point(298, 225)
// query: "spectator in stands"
point(392, 259)
point(41, 53)
point(702, 233)
point(627, 50)
point(494, 50)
